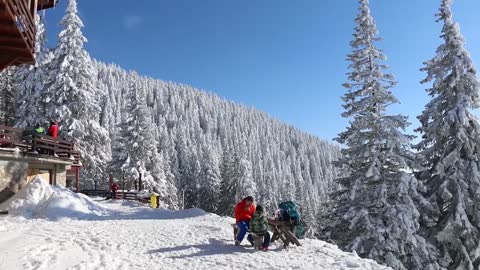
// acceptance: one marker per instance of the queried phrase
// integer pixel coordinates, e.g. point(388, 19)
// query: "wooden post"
point(53, 178)
point(77, 178)
point(183, 199)
point(110, 181)
point(140, 188)
point(123, 181)
point(34, 144)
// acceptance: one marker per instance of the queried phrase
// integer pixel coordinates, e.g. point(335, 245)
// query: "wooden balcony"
point(17, 30)
point(44, 146)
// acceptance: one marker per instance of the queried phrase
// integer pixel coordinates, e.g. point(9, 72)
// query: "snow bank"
point(144, 194)
point(138, 237)
point(40, 200)
point(182, 214)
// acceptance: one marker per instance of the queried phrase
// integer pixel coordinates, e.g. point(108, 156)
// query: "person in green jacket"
point(259, 226)
point(39, 130)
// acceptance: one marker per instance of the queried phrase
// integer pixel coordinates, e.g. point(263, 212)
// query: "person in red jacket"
point(244, 211)
point(114, 188)
point(53, 130)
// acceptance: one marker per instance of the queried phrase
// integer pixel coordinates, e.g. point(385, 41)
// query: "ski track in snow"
point(136, 237)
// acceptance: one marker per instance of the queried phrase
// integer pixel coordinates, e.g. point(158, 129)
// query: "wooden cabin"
point(17, 30)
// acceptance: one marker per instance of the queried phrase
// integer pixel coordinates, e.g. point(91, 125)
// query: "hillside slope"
point(215, 149)
point(130, 236)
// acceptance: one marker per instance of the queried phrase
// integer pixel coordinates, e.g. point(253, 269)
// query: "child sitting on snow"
point(259, 226)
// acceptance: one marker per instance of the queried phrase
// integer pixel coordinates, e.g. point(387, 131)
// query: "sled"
point(257, 240)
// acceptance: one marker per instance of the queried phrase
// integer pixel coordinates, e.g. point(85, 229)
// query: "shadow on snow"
point(214, 247)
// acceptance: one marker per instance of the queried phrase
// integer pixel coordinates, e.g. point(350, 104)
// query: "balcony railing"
point(44, 146)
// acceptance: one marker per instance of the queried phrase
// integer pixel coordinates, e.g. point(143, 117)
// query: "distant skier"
point(53, 130)
point(244, 211)
point(115, 187)
point(259, 226)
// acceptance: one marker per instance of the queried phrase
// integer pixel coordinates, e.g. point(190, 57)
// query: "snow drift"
point(133, 236)
point(40, 200)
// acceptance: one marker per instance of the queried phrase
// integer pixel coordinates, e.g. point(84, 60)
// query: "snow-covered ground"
point(125, 235)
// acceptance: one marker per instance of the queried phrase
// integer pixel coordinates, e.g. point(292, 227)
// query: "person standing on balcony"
point(53, 130)
point(39, 131)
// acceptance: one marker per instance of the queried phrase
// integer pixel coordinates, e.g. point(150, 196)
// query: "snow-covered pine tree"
point(31, 82)
point(106, 118)
point(375, 212)
point(120, 156)
point(248, 187)
point(237, 182)
point(8, 96)
point(450, 149)
point(73, 101)
point(228, 186)
point(165, 183)
point(187, 120)
point(158, 178)
point(187, 171)
point(210, 179)
point(243, 173)
point(160, 161)
point(135, 143)
point(157, 175)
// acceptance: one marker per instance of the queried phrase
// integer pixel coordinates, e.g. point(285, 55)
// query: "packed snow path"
point(136, 237)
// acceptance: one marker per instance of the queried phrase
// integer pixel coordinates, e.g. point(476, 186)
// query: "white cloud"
point(131, 22)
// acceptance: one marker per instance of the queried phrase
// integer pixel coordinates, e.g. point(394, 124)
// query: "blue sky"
point(284, 57)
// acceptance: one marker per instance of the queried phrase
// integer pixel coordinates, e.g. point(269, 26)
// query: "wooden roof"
point(17, 30)
point(44, 4)
point(17, 33)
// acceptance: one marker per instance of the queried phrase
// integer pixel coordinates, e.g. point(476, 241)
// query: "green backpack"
point(300, 230)
point(290, 212)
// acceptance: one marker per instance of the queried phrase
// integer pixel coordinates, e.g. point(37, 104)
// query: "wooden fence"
point(96, 192)
point(119, 195)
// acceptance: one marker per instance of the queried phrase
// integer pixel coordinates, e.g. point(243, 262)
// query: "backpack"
point(290, 212)
point(300, 230)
